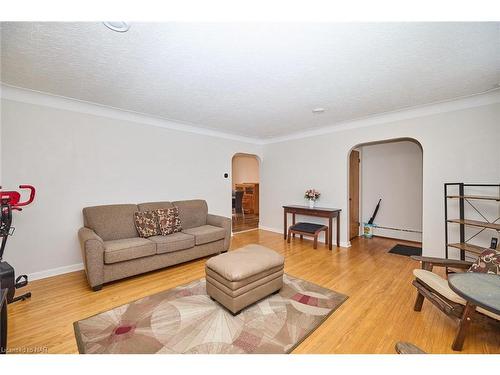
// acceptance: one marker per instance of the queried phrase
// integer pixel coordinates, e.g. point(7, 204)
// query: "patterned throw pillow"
point(488, 262)
point(169, 221)
point(146, 223)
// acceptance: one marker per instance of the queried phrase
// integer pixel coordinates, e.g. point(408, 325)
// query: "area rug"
point(186, 320)
point(406, 250)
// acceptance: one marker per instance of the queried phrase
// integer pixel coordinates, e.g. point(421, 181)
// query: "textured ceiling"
point(258, 80)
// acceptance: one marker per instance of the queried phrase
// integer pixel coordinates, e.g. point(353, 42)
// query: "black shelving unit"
point(465, 245)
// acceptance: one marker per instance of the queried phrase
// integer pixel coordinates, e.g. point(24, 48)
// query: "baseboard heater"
point(397, 229)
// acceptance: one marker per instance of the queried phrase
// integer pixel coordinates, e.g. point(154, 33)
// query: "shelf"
point(468, 247)
point(479, 197)
point(475, 223)
point(487, 197)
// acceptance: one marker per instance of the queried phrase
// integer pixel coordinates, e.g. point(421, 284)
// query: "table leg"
point(337, 219)
point(284, 225)
point(458, 343)
point(330, 232)
point(293, 222)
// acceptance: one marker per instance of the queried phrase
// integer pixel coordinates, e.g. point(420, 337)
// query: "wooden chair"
point(436, 289)
point(403, 347)
point(238, 202)
point(308, 229)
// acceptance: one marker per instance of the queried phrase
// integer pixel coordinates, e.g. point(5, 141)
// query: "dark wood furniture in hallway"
point(250, 196)
point(325, 212)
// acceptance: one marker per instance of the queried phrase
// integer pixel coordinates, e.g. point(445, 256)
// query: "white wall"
point(78, 159)
point(459, 145)
point(245, 169)
point(392, 171)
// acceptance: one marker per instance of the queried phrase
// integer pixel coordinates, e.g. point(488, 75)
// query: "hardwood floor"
point(378, 313)
point(245, 222)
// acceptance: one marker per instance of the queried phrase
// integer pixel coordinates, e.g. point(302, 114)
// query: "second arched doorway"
point(390, 171)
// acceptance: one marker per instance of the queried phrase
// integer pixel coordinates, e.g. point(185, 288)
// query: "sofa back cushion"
point(150, 206)
point(111, 222)
point(193, 213)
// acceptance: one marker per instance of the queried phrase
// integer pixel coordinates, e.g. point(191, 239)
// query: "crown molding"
point(60, 102)
point(476, 100)
point(24, 95)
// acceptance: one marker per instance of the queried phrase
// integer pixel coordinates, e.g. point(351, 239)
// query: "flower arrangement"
point(312, 194)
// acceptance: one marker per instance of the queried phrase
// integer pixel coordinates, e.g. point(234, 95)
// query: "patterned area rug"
point(186, 320)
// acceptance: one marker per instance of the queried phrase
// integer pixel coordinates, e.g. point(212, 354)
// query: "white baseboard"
point(55, 271)
point(280, 231)
point(269, 229)
point(244, 231)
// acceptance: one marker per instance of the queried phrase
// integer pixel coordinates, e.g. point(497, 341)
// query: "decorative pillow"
point(146, 223)
point(169, 221)
point(488, 262)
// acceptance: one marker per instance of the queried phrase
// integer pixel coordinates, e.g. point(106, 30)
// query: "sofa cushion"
point(193, 213)
point(206, 233)
point(111, 222)
point(168, 221)
point(146, 223)
point(246, 263)
point(487, 262)
point(128, 248)
point(173, 242)
point(150, 206)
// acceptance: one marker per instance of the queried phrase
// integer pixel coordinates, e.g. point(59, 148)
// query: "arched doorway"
point(390, 172)
point(245, 192)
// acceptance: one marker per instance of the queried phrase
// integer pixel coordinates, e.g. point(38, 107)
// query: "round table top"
point(480, 289)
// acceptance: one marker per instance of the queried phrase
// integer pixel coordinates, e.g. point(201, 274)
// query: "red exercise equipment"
point(14, 197)
point(9, 201)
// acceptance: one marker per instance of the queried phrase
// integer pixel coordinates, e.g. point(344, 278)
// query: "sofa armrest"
point(92, 247)
point(429, 262)
point(222, 222)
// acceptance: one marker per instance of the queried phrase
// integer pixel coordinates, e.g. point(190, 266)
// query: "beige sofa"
point(112, 249)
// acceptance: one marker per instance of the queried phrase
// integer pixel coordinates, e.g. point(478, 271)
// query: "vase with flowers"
point(312, 196)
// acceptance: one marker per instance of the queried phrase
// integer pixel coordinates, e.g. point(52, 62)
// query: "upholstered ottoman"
point(242, 277)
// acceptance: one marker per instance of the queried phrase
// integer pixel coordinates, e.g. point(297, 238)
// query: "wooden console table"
point(328, 213)
point(3, 321)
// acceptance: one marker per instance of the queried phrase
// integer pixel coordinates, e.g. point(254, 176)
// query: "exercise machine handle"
point(31, 197)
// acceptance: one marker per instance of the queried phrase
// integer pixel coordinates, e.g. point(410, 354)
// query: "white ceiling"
point(250, 79)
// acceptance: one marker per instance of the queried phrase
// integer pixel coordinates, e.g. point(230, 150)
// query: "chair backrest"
point(238, 201)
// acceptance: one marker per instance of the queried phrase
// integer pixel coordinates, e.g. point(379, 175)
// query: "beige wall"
point(245, 168)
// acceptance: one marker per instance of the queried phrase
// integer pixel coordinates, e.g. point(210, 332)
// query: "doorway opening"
point(245, 192)
point(389, 172)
